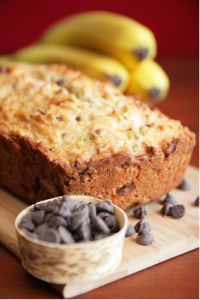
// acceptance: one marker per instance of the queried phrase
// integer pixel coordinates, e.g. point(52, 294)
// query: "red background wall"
point(174, 22)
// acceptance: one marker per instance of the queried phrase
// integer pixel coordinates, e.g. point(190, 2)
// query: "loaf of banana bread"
point(64, 133)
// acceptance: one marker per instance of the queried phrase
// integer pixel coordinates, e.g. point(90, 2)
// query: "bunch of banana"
point(121, 37)
point(113, 34)
point(92, 63)
point(104, 45)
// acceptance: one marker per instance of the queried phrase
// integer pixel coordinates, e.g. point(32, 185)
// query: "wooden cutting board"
point(172, 237)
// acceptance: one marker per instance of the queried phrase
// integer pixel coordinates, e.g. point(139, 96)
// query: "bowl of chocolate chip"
point(71, 238)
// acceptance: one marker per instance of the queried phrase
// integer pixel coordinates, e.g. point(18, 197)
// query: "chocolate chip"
point(99, 225)
point(99, 236)
point(41, 228)
point(26, 218)
point(141, 53)
point(52, 207)
point(145, 237)
point(65, 235)
point(57, 221)
point(154, 93)
point(130, 230)
point(28, 225)
point(73, 204)
point(66, 220)
point(79, 217)
point(78, 119)
point(126, 188)
point(184, 186)
point(38, 217)
point(60, 82)
point(140, 212)
point(59, 118)
point(92, 210)
point(115, 79)
point(48, 216)
point(112, 223)
point(196, 202)
point(65, 209)
point(169, 199)
point(103, 215)
point(166, 209)
point(31, 234)
point(104, 206)
point(141, 225)
point(177, 211)
point(85, 231)
point(40, 206)
point(49, 235)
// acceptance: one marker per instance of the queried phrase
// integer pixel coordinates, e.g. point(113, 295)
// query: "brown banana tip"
point(154, 93)
point(116, 80)
point(141, 53)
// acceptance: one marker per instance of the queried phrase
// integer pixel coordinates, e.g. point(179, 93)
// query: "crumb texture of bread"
point(62, 132)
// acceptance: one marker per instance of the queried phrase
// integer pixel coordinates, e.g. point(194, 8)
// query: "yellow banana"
point(5, 58)
point(94, 64)
point(113, 34)
point(149, 81)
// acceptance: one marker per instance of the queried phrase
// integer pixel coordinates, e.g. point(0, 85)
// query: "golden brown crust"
point(129, 154)
point(28, 170)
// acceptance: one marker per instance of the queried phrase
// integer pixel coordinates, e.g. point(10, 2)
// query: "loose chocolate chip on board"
point(196, 202)
point(130, 230)
point(112, 223)
point(184, 186)
point(65, 235)
point(141, 225)
point(99, 225)
point(145, 237)
point(166, 209)
point(177, 211)
point(169, 199)
point(104, 206)
point(49, 235)
point(38, 217)
point(140, 212)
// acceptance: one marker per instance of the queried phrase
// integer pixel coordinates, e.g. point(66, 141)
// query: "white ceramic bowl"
point(60, 263)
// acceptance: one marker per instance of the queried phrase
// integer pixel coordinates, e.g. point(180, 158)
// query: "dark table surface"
point(175, 278)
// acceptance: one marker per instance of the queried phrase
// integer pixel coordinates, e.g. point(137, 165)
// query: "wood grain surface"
point(176, 278)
